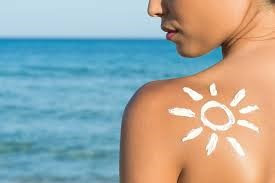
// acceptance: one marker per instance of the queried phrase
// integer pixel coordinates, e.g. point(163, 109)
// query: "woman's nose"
point(155, 8)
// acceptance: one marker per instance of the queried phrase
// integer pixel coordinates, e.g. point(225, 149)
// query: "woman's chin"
point(186, 50)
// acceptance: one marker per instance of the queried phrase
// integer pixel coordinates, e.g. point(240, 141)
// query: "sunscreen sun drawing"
point(213, 139)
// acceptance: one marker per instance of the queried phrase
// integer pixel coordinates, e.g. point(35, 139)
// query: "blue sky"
point(78, 18)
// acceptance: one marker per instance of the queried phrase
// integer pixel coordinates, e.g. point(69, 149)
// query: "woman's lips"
point(170, 34)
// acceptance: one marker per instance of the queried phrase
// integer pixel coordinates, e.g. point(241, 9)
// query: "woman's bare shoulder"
point(148, 149)
point(192, 120)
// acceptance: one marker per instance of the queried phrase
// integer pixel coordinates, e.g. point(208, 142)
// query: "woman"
point(217, 125)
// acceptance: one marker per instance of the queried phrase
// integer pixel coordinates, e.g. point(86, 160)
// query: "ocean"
point(61, 103)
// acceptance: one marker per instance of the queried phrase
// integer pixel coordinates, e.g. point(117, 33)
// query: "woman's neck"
point(256, 30)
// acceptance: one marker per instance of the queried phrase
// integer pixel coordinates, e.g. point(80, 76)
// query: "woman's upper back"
point(215, 126)
point(230, 138)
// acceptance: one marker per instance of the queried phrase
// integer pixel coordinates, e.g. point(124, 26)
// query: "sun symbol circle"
point(214, 104)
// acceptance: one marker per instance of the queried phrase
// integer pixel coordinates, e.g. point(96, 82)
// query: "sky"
point(78, 19)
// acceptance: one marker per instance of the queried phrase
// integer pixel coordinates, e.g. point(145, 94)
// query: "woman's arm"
point(145, 153)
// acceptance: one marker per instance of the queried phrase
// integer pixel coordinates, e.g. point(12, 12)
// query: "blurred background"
point(67, 70)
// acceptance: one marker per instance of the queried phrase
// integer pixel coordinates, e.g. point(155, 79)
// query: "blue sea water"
point(61, 103)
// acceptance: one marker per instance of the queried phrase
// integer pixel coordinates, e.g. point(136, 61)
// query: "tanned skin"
point(151, 147)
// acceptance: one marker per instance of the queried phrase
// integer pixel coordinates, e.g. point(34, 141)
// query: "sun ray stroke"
point(248, 109)
point(248, 124)
point(182, 112)
point(192, 134)
point(236, 145)
point(193, 94)
point(238, 97)
point(213, 90)
point(210, 147)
